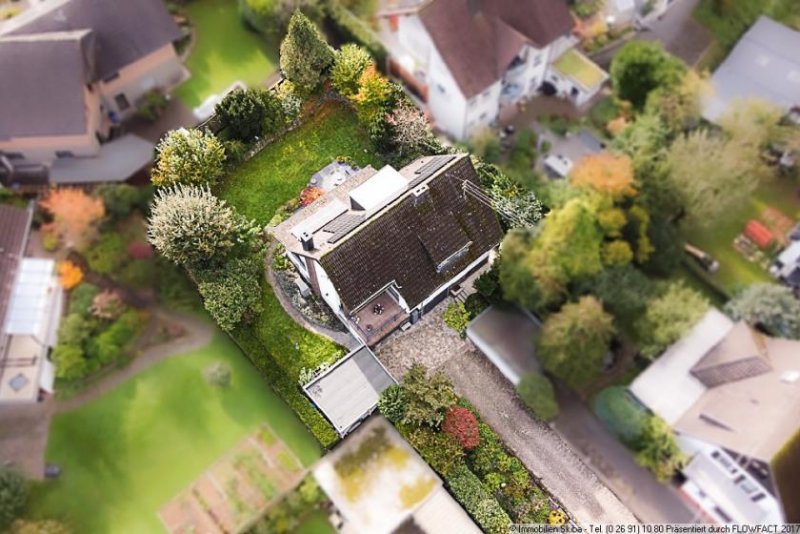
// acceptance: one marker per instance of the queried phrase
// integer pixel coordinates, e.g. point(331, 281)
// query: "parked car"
point(557, 166)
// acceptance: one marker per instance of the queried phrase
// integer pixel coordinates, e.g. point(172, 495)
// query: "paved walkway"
point(651, 501)
point(547, 456)
point(24, 429)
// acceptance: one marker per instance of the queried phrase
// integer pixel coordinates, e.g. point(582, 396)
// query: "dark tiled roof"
point(126, 30)
point(45, 95)
point(477, 39)
point(409, 241)
point(14, 224)
point(740, 355)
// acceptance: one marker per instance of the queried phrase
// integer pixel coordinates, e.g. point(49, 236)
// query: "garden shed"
point(348, 392)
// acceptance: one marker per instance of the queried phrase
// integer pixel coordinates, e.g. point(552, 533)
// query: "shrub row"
point(284, 386)
point(468, 489)
point(350, 28)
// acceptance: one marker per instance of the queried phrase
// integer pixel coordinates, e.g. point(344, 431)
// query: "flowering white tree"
point(193, 228)
point(769, 305)
point(188, 157)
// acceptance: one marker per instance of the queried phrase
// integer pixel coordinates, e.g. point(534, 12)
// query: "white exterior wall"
point(482, 109)
point(712, 484)
point(444, 287)
point(326, 288)
point(447, 103)
point(417, 43)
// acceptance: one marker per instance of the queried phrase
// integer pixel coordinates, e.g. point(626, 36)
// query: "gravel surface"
point(547, 456)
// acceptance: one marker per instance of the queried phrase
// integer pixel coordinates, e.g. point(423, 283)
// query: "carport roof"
point(349, 391)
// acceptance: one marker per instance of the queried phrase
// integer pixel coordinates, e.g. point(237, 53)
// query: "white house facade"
point(467, 60)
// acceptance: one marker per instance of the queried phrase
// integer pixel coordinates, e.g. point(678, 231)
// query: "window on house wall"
point(122, 102)
point(64, 154)
point(111, 78)
point(14, 155)
point(537, 60)
point(440, 88)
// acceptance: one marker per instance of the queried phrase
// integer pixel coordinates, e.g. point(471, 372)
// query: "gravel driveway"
point(547, 456)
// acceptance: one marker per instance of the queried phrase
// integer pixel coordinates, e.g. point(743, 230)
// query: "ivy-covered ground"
point(127, 453)
point(277, 345)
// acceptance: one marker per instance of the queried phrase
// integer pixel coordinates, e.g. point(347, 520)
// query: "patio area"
point(379, 317)
point(332, 175)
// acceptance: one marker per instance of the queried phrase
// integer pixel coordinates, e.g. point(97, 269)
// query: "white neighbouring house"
point(467, 59)
point(384, 247)
point(732, 396)
point(31, 302)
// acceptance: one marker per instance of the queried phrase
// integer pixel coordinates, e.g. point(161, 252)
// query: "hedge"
point(350, 28)
point(620, 414)
point(284, 386)
point(477, 501)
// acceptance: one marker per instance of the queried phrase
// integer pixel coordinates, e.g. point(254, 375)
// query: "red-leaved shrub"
point(462, 425)
point(139, 250)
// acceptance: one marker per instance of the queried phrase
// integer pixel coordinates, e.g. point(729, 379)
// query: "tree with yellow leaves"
point(606, 173)
point(76, 215)
point(69, 274)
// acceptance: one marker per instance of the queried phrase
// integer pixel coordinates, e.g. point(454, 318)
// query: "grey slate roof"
point(349, 391)
point(410, 241)
point(126, 30)
point(764, 64)
point(45, 94)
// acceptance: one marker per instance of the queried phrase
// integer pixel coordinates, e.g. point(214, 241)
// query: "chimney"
point(308, 241)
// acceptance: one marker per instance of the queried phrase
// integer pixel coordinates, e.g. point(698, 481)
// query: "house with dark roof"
point(763, 65)
point(384, 247)
point(467, 59)
point(732, 396)
point(30, 311)
point(79, 68)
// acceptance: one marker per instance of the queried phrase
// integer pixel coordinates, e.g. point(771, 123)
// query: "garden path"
point(541, 449)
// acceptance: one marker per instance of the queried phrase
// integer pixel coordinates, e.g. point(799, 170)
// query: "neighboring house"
point(764, 64)
point(30, 310)
point(467, 59)
point(79, 68)
point(384, 247)
point(732, 396)
point(786, 267)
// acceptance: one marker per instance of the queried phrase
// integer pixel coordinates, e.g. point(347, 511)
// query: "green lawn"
point(316, 523)
point(224, 51)
point(735, 271)
point(127, 453)
point(280, 171)
point(277, 345)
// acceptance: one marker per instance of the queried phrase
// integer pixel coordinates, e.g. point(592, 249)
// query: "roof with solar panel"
point(338, 215)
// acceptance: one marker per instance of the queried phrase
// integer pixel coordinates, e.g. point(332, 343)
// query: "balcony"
point(379, 317)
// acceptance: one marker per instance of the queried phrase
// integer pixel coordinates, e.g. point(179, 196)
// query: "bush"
point(152, 105)
point(428, 398)
point(69, 361)
point(75, 329)
point(81, 298)
point(488, 285)
point(392, 403)
point(621, 414)
point(475, 304)
point(218, 374)
point(13, 495)
point(538, 395)
point(119, 199)
point(457, 317)
point(246, 114)
point(461, 423)
point(108, 254)
point(440, 450)
point(478, 502)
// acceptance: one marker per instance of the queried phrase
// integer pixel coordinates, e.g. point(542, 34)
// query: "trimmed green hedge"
point(284, 386)
point(621, 414)
point(352, 29)
point(468, 489)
